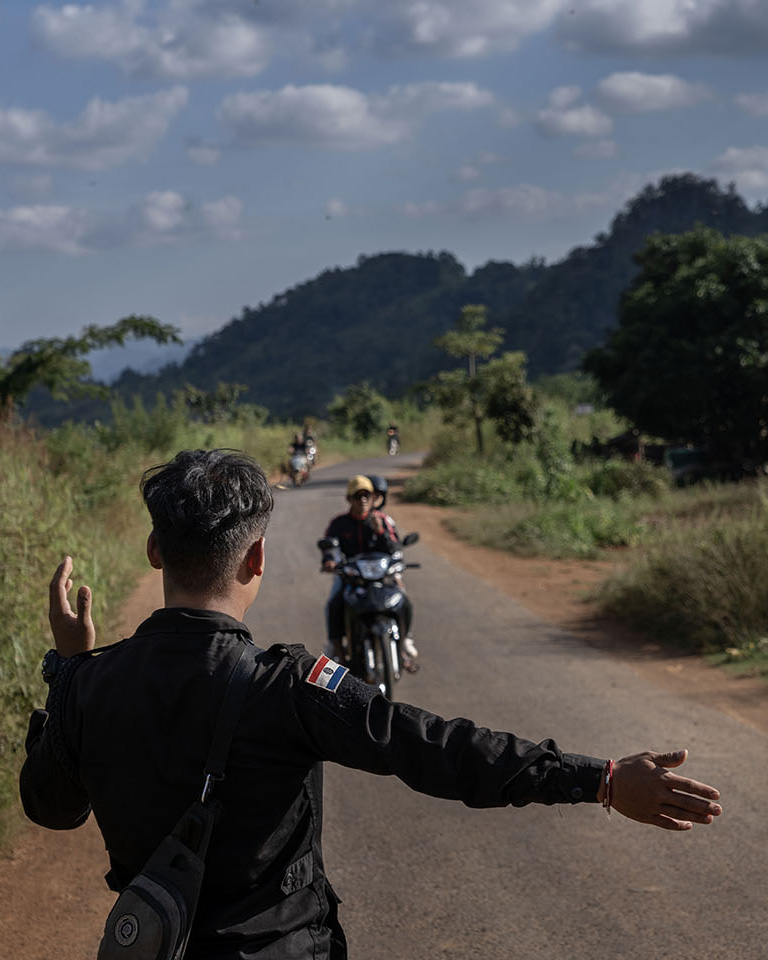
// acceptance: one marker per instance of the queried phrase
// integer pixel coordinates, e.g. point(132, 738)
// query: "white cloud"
point(161, 217)
point(105, 134)
point(203, 155)
point(340, 117)
point(183, 40)
point(524, 201)
point(164, 211)
point(754, 103)
point(563, 97)
point(59, 229)
point(467, 172)
point(224, 215)
point(564, 116)
point(633, 92)
point(529, 202)
point(600, 149)
point(336, 208)
point(458, 28)
point(666, 26)
point(748, 167)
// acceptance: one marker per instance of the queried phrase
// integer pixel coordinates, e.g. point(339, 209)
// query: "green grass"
point(702, 587)
point(555, 529)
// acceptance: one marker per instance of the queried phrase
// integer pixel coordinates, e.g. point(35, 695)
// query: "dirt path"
point(51, 888)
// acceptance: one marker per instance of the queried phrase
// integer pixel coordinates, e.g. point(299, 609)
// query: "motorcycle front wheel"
point(381, 670)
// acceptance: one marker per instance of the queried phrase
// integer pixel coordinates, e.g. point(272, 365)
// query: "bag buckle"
point(210, 779)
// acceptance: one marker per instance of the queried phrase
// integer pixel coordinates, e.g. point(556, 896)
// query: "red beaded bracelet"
point(608, 781)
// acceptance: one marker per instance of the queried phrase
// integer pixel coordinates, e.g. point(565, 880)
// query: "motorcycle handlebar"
point(413, 566)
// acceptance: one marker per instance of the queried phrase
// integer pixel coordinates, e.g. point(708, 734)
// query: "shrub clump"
point(612, 478)
point(703, 588)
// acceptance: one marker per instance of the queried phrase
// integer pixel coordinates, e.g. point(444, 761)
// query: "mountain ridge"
point(377, 320)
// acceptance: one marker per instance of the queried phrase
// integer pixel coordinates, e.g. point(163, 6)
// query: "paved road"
point(428, 878)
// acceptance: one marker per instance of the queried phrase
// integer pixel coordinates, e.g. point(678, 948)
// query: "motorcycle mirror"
point(328, 543)
point(410, 538)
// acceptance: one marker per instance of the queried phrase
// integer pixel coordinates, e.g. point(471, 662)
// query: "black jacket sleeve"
point(51, 792)
point(358, 727)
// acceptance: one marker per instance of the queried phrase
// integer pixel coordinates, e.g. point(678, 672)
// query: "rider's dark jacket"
point(126, 732)
point(358, 534)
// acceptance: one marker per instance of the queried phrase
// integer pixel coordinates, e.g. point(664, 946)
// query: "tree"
point(509, 399)
point(689, 359)
point(360, 409)
point(459, 392)
point(213, 406)
point(59, 365)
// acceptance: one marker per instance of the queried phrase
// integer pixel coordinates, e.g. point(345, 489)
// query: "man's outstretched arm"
point(353, 724)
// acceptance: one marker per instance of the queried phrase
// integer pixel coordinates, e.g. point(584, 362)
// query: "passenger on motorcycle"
point(380, 490)
point(361, 530)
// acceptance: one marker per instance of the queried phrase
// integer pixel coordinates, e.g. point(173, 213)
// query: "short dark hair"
point(207, 507)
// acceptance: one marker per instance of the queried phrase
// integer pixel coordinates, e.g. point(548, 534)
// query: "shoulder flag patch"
point(326, 673)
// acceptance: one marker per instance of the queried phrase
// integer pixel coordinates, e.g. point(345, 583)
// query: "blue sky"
point(184, 158)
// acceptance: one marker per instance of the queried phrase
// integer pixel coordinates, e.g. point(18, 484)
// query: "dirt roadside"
point(39, 914)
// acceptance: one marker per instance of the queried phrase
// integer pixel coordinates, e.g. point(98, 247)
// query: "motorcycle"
point(373, 605)
point(393, 445)
point(298, 469)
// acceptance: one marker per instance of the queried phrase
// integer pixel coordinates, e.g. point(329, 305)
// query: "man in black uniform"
point(126, 731)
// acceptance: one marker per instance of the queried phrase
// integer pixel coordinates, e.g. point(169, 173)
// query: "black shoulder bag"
point(152, 917)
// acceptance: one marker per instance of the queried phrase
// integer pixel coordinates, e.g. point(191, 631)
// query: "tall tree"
point(469, 341)
point(360, 409)
point(689, 359)
point(59, 364)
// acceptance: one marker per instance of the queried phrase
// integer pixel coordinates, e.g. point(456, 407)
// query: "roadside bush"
point(611, 478)
point(463, 481)
point(553, 529)
point(703, 588)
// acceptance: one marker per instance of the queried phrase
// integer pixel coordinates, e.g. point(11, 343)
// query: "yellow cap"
point(358, 483)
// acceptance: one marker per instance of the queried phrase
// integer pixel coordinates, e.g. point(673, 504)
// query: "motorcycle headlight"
point(393, 599)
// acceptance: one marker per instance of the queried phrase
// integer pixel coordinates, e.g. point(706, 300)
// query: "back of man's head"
point(207, 508)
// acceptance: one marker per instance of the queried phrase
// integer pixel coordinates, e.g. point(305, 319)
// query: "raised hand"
point(645, 789)
point(72, 632)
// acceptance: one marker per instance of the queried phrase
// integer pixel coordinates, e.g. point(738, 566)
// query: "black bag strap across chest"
point(231, 707)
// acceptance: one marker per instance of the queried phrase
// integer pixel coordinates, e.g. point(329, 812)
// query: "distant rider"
point(361, 530)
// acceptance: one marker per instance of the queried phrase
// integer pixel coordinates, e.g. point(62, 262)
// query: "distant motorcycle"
point(393, 444)
point(373, 608)
point(298, 469)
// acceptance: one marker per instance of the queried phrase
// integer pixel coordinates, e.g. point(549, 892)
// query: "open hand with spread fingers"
point(72, 632)
point(643, 788)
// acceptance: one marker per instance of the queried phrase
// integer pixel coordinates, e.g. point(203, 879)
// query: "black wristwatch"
point(50, 665)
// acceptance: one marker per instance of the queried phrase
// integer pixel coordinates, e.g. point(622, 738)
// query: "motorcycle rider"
point(362, 529)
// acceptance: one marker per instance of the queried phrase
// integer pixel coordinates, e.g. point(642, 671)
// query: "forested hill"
point(378, 319)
